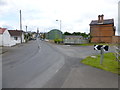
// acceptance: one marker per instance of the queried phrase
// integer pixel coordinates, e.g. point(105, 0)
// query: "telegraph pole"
point(26, 29)
point(20, 20)
point(21, 25)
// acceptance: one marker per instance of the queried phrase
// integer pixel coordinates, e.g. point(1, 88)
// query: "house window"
point(15, 38)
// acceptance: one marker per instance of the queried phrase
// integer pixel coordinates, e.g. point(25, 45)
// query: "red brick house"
point(102, 30)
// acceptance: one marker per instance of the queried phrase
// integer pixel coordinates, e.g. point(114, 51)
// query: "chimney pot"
point(102, 18)
point(99, 18)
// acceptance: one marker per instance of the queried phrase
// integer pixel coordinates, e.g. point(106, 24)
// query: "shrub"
point(58, 40)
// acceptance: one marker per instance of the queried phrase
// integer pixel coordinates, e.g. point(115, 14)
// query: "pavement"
point(89, 77)
point(77, 75)
point(40, 64)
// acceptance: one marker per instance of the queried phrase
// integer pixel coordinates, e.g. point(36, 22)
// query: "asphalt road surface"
point(39, 64)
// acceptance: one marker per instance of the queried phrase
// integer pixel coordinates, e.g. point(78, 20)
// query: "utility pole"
point(21, 25)
point(26, 29)
point(20, 20)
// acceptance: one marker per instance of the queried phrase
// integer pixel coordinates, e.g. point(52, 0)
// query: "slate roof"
point(106, 21)
point(15, 32)
point(2, 30)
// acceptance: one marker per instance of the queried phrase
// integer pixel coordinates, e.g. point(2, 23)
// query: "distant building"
point(54, 34)
point(72, 39)
point(102, 30)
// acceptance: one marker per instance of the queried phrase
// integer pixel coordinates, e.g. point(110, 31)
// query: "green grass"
point(109, 62)
point(87, 44)
point(91, 44)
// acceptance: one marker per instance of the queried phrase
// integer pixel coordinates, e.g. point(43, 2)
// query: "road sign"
point(98, 47)
point(102, 48)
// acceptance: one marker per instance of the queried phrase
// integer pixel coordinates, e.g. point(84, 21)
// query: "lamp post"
point(60, 23)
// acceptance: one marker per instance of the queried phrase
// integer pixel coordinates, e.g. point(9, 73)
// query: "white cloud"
point(75, 14)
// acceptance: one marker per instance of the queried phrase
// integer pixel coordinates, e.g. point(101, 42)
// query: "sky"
point(75, 15)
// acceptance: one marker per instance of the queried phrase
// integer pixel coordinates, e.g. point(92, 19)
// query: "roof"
point(15, 32)
point(106, 21)
point(73, 36)
point(2, 30)
point(55, 30)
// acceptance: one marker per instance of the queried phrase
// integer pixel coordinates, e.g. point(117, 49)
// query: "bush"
point(58, 41)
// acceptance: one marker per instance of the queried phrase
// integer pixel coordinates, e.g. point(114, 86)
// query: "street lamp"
point(60, 23)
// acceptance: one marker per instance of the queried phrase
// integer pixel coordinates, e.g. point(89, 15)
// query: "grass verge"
point(109, 62)
point(91, 44)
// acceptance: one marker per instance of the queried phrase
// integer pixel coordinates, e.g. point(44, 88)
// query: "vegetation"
point(58, 40)
point(77, 33)
point(91, 44)
point(109, 62)
point(27, 36)
point(87, 44)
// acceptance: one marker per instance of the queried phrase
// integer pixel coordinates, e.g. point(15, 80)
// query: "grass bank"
point(91, 44)
point(109, 62)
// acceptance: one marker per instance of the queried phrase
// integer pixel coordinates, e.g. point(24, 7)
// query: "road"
point(39, 64)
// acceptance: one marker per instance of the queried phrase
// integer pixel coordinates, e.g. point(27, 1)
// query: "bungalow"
point(11, 37)
point(16, 36)
point(72, 39)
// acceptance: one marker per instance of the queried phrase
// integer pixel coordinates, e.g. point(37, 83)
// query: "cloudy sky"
point(75, 15)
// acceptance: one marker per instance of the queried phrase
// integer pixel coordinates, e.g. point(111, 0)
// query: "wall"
point(6, 38)
point(116, 39)
point(1, 40)
point(23, 40)
point(15, 41)
point(75, 41)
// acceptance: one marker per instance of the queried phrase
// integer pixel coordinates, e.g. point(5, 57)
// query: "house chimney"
point(102, 18)
point(99, 18)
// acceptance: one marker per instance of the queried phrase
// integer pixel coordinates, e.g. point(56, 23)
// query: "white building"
point(2, 30)
point(119, 18)
point(15, 37)
point(11, 37)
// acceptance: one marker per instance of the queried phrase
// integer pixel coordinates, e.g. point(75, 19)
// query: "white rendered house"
point(11, 37)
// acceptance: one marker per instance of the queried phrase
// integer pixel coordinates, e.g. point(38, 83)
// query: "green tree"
point(67, 33)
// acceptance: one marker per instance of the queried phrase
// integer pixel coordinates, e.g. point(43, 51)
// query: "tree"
point(67, 33)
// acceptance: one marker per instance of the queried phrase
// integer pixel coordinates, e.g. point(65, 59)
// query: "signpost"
point(102, 48)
